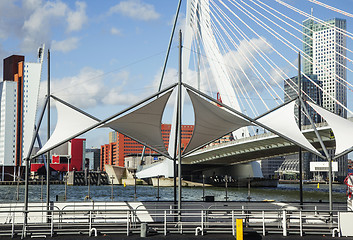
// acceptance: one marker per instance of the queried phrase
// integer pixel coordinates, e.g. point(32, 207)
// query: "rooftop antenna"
point(311, 13)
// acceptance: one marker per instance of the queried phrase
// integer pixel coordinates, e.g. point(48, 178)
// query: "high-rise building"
point(311, 93)
point(325, 48)
point(114, 153)
point(19, 98)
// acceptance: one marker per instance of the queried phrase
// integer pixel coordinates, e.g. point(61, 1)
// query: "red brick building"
point(120, 146)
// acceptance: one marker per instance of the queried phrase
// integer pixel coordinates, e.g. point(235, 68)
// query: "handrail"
point(128, 221)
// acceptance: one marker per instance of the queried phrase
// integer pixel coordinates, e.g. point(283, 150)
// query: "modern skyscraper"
point(19, 95)
point(311, 92)
point(325, 48)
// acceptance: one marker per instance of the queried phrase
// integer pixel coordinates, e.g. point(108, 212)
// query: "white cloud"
point(115, 31)
point(78, 90)
point(65, 45)
point(10, 21)
point(245, 53)
point(116, 96)
point(135, 9)
point(32, 4)
point(280, 74)
point(76, 19)
point(31, 22)
point(37, 27)
point(90, 88)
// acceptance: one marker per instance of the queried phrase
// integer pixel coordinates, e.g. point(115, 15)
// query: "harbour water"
point(284, 192)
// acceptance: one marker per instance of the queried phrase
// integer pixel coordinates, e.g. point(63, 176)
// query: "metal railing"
point(167, 221)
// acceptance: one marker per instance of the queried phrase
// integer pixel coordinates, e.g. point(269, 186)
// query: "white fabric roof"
point(283, 121)
point(211, 122)
point(340, 126)
point(69, 123)
point(144, 124)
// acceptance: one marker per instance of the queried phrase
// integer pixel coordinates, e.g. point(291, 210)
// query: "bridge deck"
point(257, 147)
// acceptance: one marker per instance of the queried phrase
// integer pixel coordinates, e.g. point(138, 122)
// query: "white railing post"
point(165, 223)
point(233, 223)
point(339, 223)
point(202, 222)
point(315, 210)
point(90, 222)
point(263, 224)
point(127, 223)
point(13, 225)
point(300, 223)
point(52, 225)
point(24, 229)
point(284, 223)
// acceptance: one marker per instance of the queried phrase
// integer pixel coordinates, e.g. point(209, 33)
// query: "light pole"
point(66, 178)
point(18, 188)
point(226, 182)
point(112, 181)
point(41, 188)
point(158, 189)
point(135, 195)
point(203, 187)
point(89, 185)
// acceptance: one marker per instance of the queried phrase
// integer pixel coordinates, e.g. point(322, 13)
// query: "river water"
point(284, 192)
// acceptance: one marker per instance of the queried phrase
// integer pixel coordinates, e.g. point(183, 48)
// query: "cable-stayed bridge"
point(257, 147)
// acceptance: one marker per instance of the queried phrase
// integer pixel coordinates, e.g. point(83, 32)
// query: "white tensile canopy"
point(283, 121)
point(69, 123)
point(340, 126)
point(144, 124)
point(211, 122)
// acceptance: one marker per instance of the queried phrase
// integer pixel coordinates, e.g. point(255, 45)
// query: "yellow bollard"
point(318, 185)
point(239, 229)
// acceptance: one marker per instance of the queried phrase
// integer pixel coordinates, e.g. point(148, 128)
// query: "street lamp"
point(112, 179)
point(135, 195)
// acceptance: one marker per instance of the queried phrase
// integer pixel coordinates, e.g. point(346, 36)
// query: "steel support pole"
point(330, 186)
point(27, 159)
point(175, 167)
point(135, 193)
point(169, 45)
point(26, 191)
point(328, 157)
point(203, 187)
point(158, 189)
point(300, 128)
point(48, 133)
point(179, 125)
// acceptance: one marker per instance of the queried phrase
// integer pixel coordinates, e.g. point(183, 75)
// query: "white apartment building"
point(19, 99)
point(8, 123)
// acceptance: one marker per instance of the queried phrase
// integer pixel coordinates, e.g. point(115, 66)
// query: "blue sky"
point(106, 55)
